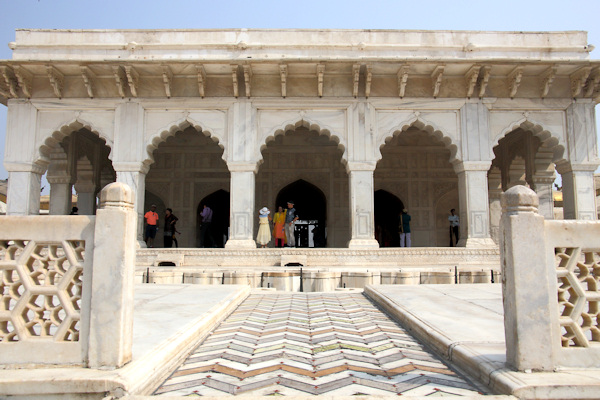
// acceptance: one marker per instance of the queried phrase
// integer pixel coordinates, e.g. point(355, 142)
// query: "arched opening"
point(188, 167)
point(300, 156)
point(387, 209)
point(218, 232)
point(311, 208)
point(415, 167)
point(523, 157)
point(79, 167)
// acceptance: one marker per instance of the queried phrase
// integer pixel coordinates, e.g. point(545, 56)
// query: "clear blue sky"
point(498, 15)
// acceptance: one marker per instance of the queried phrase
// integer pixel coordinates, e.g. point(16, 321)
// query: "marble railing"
point(551, 287)
point(59, 302)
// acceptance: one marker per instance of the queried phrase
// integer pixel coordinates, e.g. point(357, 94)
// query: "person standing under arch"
point(205, 231)
point(404, 228)
point(290, 222)
point(151, 218)
point(279, 227)
point(169, 232)
point(454, 224)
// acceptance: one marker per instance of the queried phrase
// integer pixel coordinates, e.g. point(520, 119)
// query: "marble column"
point(24, 186)
point(59, 178)
point(242, 201)
point(474, 203)
point(495, 194)
point(579, 197)
point(362, 205)
point(134, 175)
point(543, 188)
point(85, 188)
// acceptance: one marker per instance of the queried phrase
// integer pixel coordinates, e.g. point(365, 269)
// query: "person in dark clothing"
point(404, 228)
point(169, 232)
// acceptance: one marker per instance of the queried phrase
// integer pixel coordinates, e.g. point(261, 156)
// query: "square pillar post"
point(579, 196)
point(474, 203)
point(543, 188)
point(111, 311)
point(526, 283)
point(24, 186)
point(241, 220)
point(362, 205)
point(133, 174)
point(59, 179)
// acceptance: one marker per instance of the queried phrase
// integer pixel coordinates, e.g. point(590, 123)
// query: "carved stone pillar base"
point(241, 244)
point(363, 244)
point(476, 243)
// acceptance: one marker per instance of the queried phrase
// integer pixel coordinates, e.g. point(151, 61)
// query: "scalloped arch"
point(424, 125)
point(546, 137)
point(64, 130)
point(171, 129)
point(292, 125)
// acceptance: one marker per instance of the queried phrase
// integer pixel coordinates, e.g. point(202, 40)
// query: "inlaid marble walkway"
point(312, 343)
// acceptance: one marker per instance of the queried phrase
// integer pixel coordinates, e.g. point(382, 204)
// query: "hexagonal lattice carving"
point(578, 274)
point(41, 290)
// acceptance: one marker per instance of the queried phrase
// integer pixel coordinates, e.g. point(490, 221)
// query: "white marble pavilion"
point(353, 125)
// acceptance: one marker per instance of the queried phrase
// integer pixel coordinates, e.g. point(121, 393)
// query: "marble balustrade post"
point(579, 197)
point(111, 311)
point(526, 289)
point(474, 203)
point(242, 201)
point(362, 205)
point(134, 175)
point(24, 186)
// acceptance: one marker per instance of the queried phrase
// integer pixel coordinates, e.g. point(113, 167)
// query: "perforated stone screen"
point(578, 272)
point(41, 290)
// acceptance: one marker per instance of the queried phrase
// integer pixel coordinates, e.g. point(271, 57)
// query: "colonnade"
point(479, 184)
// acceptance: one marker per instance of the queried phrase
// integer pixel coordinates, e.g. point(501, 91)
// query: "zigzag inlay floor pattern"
point(312, 343)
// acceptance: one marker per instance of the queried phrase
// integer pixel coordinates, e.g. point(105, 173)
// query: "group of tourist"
point(283, 226)
point(404, 228)
point(170, 230)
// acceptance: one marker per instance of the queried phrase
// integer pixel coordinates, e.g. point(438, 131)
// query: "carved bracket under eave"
point(120, 79)
point(201, 79)
point(10, 80)
point(25, 79)
point(593, 82)
point(514, 80)
point(547, 79)
point(368, 78)
point(355, 79)
point(436, 79)
point(402, 80)
point(133, 79)
point(247, 79)
point(283, 74)
point(89, 79)
point(57, 80)
point(471, 78)
point(578, 80)
point(234, 77)
point(320, 77)
point(167, 76)
point(484, 79)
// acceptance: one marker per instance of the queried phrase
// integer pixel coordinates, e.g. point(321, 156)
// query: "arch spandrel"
point(184, 121)
point(331, 124)
point(52, 137)
point(418, 120)
point(551, 137)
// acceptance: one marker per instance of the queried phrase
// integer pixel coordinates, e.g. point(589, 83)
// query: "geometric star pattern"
point(310, 344)
point(40, 290)
point(578, 275)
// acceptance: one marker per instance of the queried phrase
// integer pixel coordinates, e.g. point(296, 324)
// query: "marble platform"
point(465, 325)
point(169, 322)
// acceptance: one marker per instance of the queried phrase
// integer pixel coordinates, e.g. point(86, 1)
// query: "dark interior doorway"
point(387, 209)
point(311, 205)
point(219, 229)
